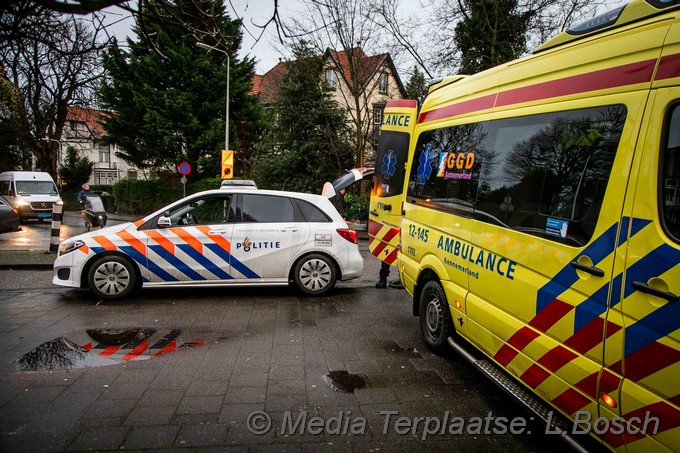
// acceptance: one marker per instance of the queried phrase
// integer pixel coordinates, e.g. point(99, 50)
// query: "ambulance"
point(538, 224)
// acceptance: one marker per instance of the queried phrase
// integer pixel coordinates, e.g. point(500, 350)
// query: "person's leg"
point(384, 272)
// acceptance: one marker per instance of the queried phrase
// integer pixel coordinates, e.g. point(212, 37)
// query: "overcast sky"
point(267, 50)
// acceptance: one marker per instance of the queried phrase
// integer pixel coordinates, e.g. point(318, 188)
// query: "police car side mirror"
point(164, 222)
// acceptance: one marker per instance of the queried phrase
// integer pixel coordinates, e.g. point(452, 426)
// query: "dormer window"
point(382, 82)
point(331, 79)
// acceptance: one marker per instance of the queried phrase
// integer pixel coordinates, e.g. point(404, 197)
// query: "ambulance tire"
point(436, 325)
point(112, 277)
point(315, 274)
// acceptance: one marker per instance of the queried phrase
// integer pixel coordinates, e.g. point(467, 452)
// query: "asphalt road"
point(197, 370)
point(35, 235)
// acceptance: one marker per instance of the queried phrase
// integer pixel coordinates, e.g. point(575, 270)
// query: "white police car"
point(235, 235)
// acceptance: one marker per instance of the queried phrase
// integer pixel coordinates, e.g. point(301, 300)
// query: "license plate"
point(44, 216)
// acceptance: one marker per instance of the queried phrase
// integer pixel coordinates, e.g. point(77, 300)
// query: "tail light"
point(350, 235)
point(15, 211)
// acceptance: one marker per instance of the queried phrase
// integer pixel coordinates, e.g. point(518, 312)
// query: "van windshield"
point(36, 188)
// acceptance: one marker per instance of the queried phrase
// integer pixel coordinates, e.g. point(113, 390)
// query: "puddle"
point(342, 381)
point(100, 347)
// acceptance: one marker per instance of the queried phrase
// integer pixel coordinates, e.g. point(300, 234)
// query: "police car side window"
point(311, 213)
point(212, 211)
point(543, 175)
point(266, 209)
point(670, 174)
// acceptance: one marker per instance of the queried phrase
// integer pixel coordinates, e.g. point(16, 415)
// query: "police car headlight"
point(69, 246)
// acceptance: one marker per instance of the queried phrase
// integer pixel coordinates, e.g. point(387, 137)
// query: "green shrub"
point(142, 197)
point(356, 206)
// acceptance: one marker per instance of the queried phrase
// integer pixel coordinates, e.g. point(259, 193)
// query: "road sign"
point(227, 164)
point(184, 168)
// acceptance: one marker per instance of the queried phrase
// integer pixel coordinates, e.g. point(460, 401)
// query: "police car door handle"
point(589, 269)
point(218, 232)
point(293, 229)
point(645, 288)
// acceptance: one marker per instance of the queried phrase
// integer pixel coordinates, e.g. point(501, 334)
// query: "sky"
point(267, 50)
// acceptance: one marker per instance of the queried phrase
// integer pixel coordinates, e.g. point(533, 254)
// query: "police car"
point(235, 235)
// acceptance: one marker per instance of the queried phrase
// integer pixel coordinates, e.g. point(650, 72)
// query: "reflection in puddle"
point(102, 347)
point(342, 381)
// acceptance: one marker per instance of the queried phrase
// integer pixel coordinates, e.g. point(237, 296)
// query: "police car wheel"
point(435, 319)
point(314, 275)
point(112, 277)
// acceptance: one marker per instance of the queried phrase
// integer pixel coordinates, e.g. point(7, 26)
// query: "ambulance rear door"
point(384, 220)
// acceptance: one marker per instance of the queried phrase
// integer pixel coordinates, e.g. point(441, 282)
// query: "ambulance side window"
point(544, 175)
point(670, 174)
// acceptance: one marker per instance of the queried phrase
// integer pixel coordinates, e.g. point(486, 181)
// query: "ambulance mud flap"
point(515, 390)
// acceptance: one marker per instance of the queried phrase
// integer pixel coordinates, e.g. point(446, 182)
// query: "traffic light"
point(227, 164)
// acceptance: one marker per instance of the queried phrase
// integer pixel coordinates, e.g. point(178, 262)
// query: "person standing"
point(339, 202)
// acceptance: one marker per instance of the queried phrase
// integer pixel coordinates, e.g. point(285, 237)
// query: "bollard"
point(57, 210)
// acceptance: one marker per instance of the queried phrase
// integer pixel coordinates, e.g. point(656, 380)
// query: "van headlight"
point(69, 245)
point(21, 202)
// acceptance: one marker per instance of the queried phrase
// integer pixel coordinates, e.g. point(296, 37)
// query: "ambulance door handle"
point(589, 269)
point(293, 229)
point(645, 288)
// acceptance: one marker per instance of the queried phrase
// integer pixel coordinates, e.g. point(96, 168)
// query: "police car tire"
point(435, 318)
point(314, 274)
point(112, 277)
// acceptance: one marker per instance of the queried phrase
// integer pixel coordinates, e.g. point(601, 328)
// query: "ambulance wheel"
point(314, 275)
point(112, 277)
point(435, 318)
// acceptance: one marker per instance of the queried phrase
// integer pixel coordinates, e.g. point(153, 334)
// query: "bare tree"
point(342, 29)
point(59, 69)
point(431, 45)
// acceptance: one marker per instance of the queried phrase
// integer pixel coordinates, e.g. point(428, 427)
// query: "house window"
point(382, 83)
point(377, 121)
point(104, 153)
point(331, 79)
point(132, 174)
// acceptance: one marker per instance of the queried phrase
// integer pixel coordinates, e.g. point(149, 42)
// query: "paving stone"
point(142, 437)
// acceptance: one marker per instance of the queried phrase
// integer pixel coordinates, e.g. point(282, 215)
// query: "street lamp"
point(226, 121)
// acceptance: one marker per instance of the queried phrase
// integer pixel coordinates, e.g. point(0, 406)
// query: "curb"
point(27, 267)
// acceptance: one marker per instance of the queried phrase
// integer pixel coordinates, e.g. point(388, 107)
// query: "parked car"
point(236, 235)
point(9, 216)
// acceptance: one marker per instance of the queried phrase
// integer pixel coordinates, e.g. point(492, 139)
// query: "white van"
point(33, 193)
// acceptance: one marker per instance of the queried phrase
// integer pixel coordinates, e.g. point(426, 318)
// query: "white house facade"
point(84, 132)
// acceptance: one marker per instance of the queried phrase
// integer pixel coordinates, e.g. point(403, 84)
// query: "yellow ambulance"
point(541, 223)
